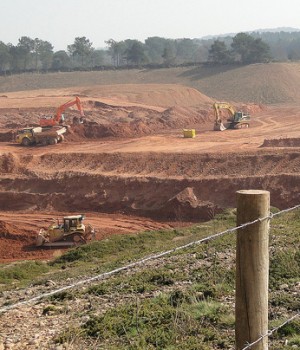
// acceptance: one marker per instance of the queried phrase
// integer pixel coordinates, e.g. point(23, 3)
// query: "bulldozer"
point(70, 232)
point(236, 120)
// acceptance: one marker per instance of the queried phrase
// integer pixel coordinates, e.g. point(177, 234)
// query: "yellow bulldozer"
point(69, 233)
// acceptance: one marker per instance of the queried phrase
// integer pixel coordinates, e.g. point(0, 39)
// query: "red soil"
point(129, 167)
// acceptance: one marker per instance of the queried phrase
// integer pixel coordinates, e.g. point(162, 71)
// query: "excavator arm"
point(57, 118)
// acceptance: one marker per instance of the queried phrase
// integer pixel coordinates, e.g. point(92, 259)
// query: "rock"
point(284, 286)
point(50, 283)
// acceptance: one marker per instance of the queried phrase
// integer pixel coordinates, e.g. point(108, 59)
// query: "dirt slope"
point(259, 83)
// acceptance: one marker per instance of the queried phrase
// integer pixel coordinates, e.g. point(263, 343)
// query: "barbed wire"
point(270, 332)
point(143, 260)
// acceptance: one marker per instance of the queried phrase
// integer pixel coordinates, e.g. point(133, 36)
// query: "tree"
point(43, 52)
point(218, 53)
point(169, 55)
point(26, 47)
point(249, 49)
point(82, 48)
point(16, 54)
point(5, 56)
point(61, 60)
point(136, 52)
point(117, 50)
point(259, 52)
point(294, 50)
point(186, 50)
point(98, 57)
point(155, 48)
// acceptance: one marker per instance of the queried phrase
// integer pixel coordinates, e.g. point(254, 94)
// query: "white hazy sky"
point(60, 21)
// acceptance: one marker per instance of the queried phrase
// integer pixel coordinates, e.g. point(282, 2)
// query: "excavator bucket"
point(219, 127)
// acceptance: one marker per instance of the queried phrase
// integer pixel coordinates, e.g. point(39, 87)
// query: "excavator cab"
point(238, 116)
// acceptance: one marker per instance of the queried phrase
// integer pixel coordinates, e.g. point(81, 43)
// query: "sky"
point(61, 21)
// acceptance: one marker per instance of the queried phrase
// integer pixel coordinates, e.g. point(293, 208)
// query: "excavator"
point(236, 120)
point(59, 117)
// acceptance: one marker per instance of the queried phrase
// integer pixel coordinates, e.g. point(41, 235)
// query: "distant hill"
point(266, 30)
point(260, 83)
point(277, 30)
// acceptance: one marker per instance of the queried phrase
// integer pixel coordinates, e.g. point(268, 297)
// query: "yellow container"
point(189, 133)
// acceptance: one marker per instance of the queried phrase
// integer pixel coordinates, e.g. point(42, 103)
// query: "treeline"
point(39, 55)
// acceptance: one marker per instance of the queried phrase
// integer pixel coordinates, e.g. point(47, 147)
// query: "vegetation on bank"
point(181, 301)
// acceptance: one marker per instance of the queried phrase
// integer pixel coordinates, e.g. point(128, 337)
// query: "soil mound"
point(6, 136)
point(10, 231)
point(186, 205)
point(139, 123)
point(14, 241)
point(18, 243)
point(8, 163)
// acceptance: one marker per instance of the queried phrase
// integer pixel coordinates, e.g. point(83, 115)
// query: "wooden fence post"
point(252, 269)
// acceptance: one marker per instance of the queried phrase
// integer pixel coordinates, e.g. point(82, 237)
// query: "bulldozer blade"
point(59, 244)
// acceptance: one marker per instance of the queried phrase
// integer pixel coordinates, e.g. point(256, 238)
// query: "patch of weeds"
point(170, 321)
point(22, 271)
point(286, 300)
point(61, 296)
point(176, 298)
point(68, 335)
point(161, 279)
point(284, 266)
point(295, 340)
point(208, 310)
point(290, 329)
point(126, 246)
point(50, 309)
point(99, 289)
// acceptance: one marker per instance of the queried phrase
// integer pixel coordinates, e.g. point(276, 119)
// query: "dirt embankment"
point(161, 186)
point(282, 142)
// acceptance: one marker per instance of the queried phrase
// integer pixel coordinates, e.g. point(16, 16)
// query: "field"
point(129, 168)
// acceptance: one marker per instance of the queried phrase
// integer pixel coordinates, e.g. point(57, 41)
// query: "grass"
point(182, 301)
point(22, 272)
point(160, 323)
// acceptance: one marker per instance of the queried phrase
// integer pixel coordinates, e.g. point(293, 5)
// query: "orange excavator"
point(59, 117)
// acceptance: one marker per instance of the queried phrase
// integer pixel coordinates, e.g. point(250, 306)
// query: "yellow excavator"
point(235, 120)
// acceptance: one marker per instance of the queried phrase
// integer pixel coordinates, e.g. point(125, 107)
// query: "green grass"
point(22, 272)
point(183, 302)
point(160, 323)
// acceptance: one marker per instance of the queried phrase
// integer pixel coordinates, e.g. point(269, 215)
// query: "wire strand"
point(270, 332)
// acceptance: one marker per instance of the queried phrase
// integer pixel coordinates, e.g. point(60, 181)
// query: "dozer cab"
point(70, 232)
